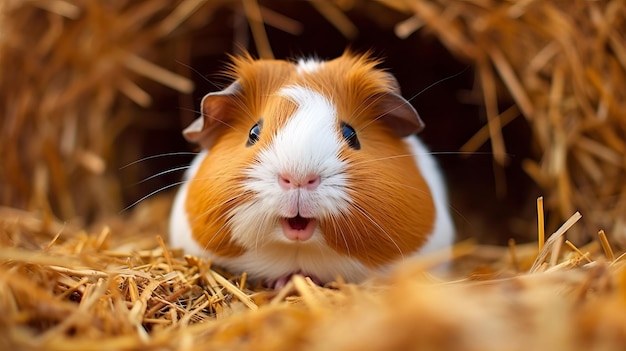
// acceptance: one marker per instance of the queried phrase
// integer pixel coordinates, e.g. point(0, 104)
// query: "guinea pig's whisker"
point(215, 234)
point(382, 159)
point(439, 82)
point(369, 218)
point(151, 194)
point(404, 185)
point(198, 73)
point(219, 230)
point(370, 103)
point(363, 107)
point(220, 217)
point(230, 126)
point(198, 112)
point(218, 205)
point(426, 89)
point(351, 227)
point(354, 232)
point(358, 238)
point(427, 153)
point(182, 153)
point(219, 243)
point(479, 153)
point(260, 233)
point(407, 186)
point(165, 188)
point(343, 236)
point(244, 107)
point(167, 171)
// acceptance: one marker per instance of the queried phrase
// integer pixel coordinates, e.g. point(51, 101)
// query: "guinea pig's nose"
point(289, 182)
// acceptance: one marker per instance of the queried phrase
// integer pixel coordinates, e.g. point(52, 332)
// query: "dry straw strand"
point(606, 246)
point(553, 241)
point(540, 223)
point(255, 19)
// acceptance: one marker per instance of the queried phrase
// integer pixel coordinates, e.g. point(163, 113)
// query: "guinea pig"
point(309, 167)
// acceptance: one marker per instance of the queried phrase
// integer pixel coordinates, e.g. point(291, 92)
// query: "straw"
point(95, 302)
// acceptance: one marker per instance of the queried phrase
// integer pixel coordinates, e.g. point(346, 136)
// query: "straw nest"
point(77, 75)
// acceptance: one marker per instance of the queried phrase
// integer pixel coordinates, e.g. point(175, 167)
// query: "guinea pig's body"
point(309, 168)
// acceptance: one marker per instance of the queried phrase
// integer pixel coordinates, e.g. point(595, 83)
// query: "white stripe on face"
point(308, 144)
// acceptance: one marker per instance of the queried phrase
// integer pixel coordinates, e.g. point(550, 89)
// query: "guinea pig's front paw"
point(281, 281)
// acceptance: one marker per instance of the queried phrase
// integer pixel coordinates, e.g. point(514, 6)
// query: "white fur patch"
point(309, 65)
point(313, 258)
point(442, 236)
point(180, 230)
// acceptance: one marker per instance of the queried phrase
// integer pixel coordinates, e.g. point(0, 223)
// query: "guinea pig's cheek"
point(298, 228)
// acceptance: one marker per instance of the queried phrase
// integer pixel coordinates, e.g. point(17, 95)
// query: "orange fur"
point(217, 188)
point(214, 191)
point(392, 211)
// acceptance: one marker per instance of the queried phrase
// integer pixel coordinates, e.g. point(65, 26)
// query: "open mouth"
point(298, 222)
point(298, 228)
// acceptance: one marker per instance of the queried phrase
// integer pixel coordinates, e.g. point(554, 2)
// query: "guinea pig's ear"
point(399, 115)
point(215, 108)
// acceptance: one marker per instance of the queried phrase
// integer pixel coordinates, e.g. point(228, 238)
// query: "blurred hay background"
point(89, 87)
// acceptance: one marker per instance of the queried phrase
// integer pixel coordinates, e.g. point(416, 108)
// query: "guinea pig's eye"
point(254, 134)
point(350, 135)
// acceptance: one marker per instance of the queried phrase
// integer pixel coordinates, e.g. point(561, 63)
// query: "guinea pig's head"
point(309, 153)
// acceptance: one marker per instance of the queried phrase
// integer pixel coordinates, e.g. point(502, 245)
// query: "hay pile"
point(77, 75)
point(105, 291)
